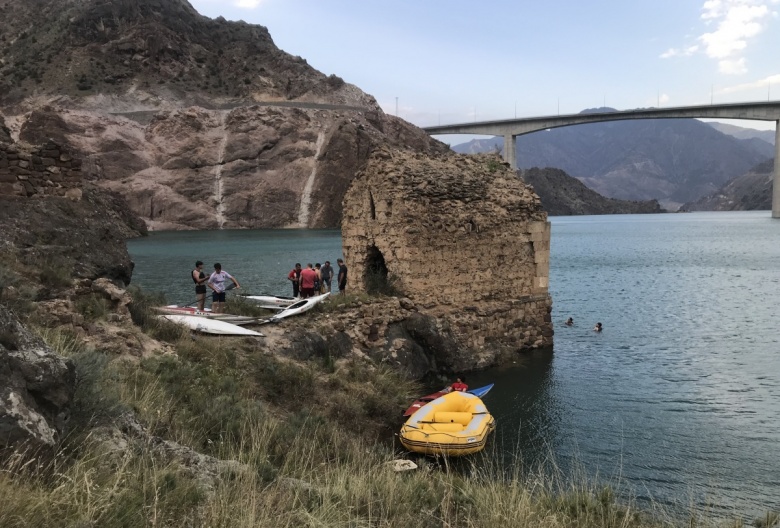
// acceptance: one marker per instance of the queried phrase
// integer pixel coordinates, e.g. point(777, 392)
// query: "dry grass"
point(313, 444)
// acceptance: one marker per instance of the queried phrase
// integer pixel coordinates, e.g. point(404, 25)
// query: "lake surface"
point(677, 400)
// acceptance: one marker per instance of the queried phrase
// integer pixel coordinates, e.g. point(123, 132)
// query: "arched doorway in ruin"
point(375, 274)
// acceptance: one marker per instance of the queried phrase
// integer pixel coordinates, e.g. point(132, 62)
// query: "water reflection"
point(524, 401)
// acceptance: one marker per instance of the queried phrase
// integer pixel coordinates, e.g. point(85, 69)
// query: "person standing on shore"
point(295, 277)
point(200, 280)
point(318, 280)
point(217, 284)
point(342, 276)
point(308, 278)
point(327, 275)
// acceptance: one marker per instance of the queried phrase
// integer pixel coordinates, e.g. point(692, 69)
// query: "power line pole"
point(396, 107)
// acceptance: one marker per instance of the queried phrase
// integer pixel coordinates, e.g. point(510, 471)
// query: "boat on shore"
point(456, 424)
point(272, 301)
point(424, 400)
point(298, 307)
point(210, 326)
point(173, 309)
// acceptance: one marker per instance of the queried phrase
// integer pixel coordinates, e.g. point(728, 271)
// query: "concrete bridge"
point(511, 128)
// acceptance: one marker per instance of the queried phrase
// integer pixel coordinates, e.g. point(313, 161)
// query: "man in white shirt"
point(217, 284)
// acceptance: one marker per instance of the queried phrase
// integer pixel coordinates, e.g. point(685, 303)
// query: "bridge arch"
point(511, 128)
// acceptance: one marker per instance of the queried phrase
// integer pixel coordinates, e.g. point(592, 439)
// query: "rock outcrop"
point(464, 239)
point(36, 387)
point(52, 220)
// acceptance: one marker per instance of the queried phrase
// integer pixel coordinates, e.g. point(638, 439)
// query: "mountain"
point(748, 192)
point(745, 133)
point(672, 160)
point(563, 195)
point(197, 123)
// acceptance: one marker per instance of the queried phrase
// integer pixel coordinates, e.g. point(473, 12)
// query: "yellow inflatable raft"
point(455, 424)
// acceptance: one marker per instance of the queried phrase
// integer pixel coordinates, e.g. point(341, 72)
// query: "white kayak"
point(268, 301)
point(299, 307)
point(210, 326)
point(173, 309)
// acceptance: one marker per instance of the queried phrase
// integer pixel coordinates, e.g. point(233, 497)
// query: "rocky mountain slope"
point(671, 160)
point(748, 192)
point(562, 195)
point(767, 136)
point(197, 123)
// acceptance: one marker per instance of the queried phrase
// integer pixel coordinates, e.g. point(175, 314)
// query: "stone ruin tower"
point(462, 237)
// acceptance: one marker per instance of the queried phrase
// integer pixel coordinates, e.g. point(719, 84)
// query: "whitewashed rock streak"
point(303, 212)
point(218, 183)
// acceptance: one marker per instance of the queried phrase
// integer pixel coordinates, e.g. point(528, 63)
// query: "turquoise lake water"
point(677, 400)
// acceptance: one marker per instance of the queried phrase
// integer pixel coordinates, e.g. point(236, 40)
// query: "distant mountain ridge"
point(744, 133)
point(562, 195)
point(672, 160)
point(749, 192)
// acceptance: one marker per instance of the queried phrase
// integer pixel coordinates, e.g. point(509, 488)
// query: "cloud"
point(684, 52)
point(773, 80)
point(732, 66)
point(733, 24)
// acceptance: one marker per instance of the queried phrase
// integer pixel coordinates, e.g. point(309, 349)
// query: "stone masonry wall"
point(461, 236)
point(49, 170)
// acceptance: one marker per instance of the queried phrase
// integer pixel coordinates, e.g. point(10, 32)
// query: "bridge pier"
point(776, 177)
point(510, 153)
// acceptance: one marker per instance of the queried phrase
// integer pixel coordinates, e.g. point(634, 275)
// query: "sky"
point(436, 62)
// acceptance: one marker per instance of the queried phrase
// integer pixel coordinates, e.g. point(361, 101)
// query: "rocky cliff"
point(54, 228)
point(197, 123)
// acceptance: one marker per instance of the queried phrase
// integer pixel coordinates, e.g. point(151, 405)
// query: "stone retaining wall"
point(47, 170)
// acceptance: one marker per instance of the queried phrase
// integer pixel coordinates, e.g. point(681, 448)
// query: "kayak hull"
point(421, 402)
point(299, 307)
point(210, 326)
point(173, 309)
point(272, 300)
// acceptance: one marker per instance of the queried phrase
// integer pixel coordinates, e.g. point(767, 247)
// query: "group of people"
point(217, 282)
point(316, 280)
point(307, 282)
point(597, 328)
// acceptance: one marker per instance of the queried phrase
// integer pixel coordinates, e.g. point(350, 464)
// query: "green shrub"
point(55, 275)
point(378, 282)
point(143, 313)
point(93, 306)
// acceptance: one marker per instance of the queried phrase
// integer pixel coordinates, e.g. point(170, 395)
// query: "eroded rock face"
point(36, 387)
point(464, 239)
point(248, 167)
point(197, 123)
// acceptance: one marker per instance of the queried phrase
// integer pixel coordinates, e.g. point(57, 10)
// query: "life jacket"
point(202, 276)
